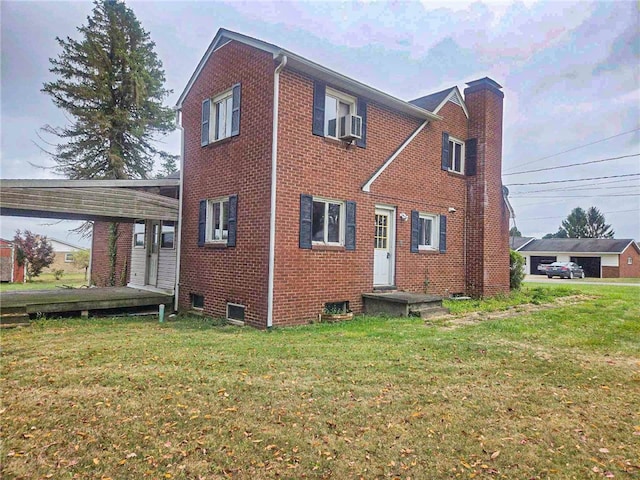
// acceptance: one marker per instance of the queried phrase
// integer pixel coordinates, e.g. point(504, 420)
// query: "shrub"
point(57, 274)
point(516, 270)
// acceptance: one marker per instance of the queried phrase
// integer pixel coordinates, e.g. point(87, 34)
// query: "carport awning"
point(105, 203)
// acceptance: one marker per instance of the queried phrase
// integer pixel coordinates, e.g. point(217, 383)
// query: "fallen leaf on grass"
point(604, 450)
point(495, 454)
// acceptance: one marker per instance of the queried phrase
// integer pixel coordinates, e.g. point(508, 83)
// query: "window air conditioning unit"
point(350, 127)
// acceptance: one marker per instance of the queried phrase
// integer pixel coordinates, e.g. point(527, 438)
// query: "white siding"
point(611, 260)
point(167, 269)
point(138, 264)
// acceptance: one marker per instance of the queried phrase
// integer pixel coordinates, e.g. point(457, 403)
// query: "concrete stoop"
point(403, 304)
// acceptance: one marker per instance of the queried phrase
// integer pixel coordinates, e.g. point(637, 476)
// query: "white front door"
point(384, 247)
point(153, 245)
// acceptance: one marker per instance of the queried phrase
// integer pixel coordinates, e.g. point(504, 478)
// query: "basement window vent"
point(197, 301)
point(235, 313)
point(336, 307)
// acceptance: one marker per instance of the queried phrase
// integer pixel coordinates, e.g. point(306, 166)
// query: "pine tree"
point(112, 85)
point(576, 223)
point(596, 226)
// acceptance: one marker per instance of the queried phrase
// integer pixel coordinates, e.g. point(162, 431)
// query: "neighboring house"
point(599, 257)
point(10, 271)
point(303, 189)
point(63, 257)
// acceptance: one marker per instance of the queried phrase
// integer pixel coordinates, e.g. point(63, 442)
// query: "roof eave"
point(303, 65)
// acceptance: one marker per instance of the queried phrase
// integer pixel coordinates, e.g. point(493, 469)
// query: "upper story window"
point(629, 260)
point(428, 232)
point(456, 155)
point(327, 222)
point(222, 110)
point(221, 116)
point(139, 234)
point(336, 106)
point(217, 220)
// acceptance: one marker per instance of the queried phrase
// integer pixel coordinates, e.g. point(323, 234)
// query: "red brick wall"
point(610, 272)
point(487, 217)
point(306, 279)
point(240, 165)
point(100, 254)
point(633, 270)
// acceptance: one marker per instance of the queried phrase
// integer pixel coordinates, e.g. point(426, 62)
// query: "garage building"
point(599, 257)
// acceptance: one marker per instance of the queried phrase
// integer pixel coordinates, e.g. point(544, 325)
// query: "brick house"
point(63, 257)
point(302, 188)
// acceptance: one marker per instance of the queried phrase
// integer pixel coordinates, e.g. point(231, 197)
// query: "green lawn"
point(545, 393)
point(47, 281)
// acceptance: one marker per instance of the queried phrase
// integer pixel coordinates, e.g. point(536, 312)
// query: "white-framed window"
point(629, 260)
point(217, 229)
point(167, 234)
point(139, 231)
point(428, 231)
point(221, 113)
point(68, 257)
point(456, 155)
point(327, 222)
point(336, 105)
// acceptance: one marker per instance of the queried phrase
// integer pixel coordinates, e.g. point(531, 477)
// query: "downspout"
point(176, 290)
point(274, 167)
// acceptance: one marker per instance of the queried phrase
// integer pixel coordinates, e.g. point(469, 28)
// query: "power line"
point(571, 165)
point(587, 196)
point(564, 216)
point(574, 188)
point(575, 148)
point(573, 180)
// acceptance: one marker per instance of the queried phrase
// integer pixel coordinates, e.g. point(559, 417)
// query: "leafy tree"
point(516, 270)
point(34, 251)
point(111, 84)
point(561, 233)
point(596, 226)
point(576, 223)
point(514, 232)
point(81, 260)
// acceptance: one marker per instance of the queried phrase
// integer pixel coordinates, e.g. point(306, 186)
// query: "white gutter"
point(178, 227)
point(274, 167)
point(367, 186)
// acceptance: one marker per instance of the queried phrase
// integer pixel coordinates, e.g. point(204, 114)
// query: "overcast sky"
point(570, 72)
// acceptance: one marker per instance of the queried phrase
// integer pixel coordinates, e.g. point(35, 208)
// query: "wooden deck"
point(18, 305)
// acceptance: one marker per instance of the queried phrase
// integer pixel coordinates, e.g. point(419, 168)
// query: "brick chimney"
point(487, 226)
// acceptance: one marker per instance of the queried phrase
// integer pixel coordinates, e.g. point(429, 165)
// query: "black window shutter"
point(362, 112)
point(350, 233)
point(206, 112)
point(202, 222)
point(233, 221)
point(415, 230)
point(306, 212)
point(471, 156)
point(319, 91)
point(445, 151)
point(235, 111)
point(443, 233)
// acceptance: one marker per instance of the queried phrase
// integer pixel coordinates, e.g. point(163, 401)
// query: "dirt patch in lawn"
point(456, 321)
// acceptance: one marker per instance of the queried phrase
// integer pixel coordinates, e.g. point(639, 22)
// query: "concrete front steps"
point(403, 304)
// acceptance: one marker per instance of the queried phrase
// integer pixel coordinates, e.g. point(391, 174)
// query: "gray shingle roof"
point(430, 102)
point(518, 242)
point(578, 245)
